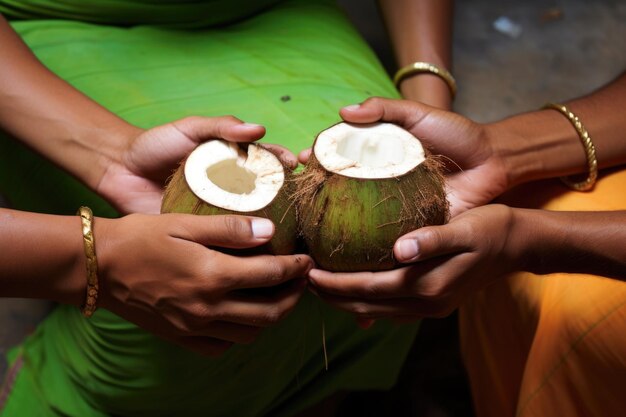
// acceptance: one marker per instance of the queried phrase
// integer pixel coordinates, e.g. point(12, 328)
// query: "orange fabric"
point(552, 345)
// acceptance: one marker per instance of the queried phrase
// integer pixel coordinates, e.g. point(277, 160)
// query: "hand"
point(447, 263)
point(133, 181)
point(157, 272)
point(476, 173)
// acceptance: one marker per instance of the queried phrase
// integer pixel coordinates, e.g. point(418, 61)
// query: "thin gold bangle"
point(590, 150)
point(91, 297)
point(422, 67)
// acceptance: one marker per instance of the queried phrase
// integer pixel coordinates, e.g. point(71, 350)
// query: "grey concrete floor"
point(567, 48)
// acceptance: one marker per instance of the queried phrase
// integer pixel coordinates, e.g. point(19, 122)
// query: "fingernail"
point(310, 268)
point(250, 125)
point(352, 107)
point(314, 273)
point(407, 249)
point(262, 228)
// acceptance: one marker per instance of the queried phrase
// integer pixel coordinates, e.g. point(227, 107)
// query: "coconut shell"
point(178, 198)
point(351, 224)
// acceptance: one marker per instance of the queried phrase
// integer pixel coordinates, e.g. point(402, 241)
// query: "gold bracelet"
point(86, 217)
point(421, 67)
point(590, 150)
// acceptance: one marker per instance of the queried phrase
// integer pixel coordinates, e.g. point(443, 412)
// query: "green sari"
point(287, 65)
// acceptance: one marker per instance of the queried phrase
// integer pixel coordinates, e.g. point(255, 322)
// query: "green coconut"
point(220, 177)
point(362, 188)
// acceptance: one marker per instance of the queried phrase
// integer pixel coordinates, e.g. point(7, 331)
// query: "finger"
point(158, 150)
point(215, 338)
point(380, 309)
point(402, 112)
point(428, 280)
point(303, 156)
point(261, 310)
point(199, 129)
point(261, 271)
point(432, 241)
point(283, 154)
point(367, 285)
point(225, 231)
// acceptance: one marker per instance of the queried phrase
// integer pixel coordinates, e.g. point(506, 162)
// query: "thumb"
point(158, 150)
point(225, 231)
point(199, 129)
point(303, 156)
point(429, 242)
point(401, 112)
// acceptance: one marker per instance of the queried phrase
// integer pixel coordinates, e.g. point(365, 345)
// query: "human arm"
point(157, 272)
point(421, 30)
point(475, 249)
point(485, 160)
point(482, 244)
point(121, 162)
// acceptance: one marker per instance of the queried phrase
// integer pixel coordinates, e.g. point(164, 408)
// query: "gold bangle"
point(590, 150)
point(86, 217)
point(421, 67)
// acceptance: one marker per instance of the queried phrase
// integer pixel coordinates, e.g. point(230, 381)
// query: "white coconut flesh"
point(380, 150)
point(224, 175)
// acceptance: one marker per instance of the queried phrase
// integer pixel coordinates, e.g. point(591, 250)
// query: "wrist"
point(524, 237)
point(511, 150)
point(427, 88)
point(68, 283)
point(547, 240)
point(105, 148)
point(104, 234)
point(536, 146)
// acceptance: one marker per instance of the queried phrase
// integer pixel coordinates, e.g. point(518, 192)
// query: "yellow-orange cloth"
point(552, 345)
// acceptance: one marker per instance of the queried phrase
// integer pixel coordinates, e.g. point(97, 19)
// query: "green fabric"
point(178, 13)
point(290, 68)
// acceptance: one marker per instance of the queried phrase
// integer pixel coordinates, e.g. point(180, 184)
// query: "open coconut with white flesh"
point(363, 187)
point(221, 177)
